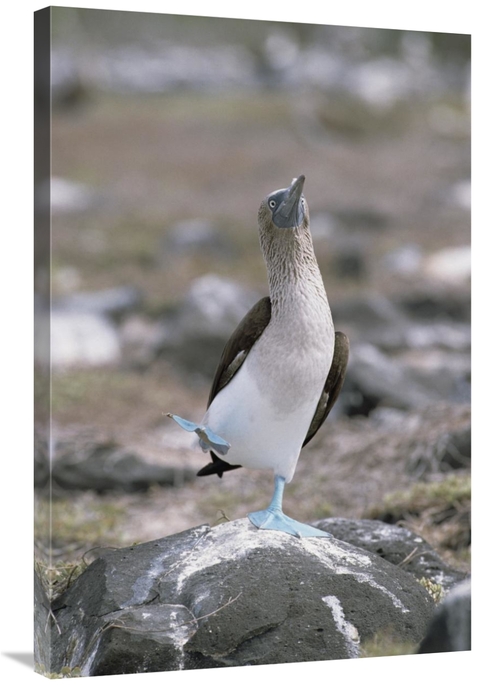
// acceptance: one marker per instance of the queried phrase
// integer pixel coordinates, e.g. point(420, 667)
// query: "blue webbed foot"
point(273, 517)
point(208, 439)
point(269, 519)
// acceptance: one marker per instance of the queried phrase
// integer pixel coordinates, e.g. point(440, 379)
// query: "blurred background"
point(167, 132)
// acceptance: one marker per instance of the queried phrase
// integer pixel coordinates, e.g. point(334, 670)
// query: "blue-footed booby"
point(283, 367)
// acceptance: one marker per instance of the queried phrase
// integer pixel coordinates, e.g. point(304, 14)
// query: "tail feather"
point(216, 467)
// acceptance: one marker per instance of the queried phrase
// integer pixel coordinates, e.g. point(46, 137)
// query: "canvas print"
point(252, 355)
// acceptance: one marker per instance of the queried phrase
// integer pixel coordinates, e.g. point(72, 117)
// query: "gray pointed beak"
point(290, 212)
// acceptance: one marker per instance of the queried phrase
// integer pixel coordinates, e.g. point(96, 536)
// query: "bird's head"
point(285, 209)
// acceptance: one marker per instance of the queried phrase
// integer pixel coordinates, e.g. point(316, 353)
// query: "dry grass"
point(439, 511)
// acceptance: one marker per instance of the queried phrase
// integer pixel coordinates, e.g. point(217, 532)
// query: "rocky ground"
point(156, 258)
point(232, 595)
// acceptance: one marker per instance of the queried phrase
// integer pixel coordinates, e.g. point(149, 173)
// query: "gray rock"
point(195, 335)
point(382, 80)
point(324, 227)
point(215, 305)
point(448, 335)
point(385, 323)
point(41, 626)
point(377, 72)
point(406, 354)
point(408, 380)
point(70, 197)
point(140, 338)
point(396, 545)
point(82, 339)
point(138, 69)
point(108, 466)
point(83, 330)
point(373, 318)
point(113, 302)
point(451, 450)
point(350, 262)
point(404, 260)
point(195, 235)
point(41, 466)
point(67, 86)
point(373, 378)
point(230, 596)
point(451, 266)
point(436, 304)
point(359, 218)
point(461, 194)
point(450, 628)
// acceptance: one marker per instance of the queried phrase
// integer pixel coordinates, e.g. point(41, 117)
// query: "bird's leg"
point(208, 439)
point(273, 517)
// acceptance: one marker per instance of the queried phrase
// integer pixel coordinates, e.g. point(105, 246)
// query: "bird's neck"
point(295, 282)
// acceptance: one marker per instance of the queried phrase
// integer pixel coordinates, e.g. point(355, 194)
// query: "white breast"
point(267, 408)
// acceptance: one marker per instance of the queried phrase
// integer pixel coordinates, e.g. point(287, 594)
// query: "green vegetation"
point(435, 590)
point(452, 491)
point(439, 510)
point(77, 525)
point(66, 672)
point(386, 644)
point(74, 521)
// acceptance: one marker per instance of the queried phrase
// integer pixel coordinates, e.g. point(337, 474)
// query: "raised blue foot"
point(208, 439)
point(273, 517)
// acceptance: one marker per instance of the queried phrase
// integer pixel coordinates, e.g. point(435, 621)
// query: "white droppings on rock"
point(366, 578)
point(142, 586)
point(348, 630)
point(228, 542)
point(144, 583)
point(181, 633)
point(232, 541)
point(88, 659)
point(439, 577)
point(330, 554)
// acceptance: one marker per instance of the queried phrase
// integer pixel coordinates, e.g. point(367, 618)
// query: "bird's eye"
point(272, 204)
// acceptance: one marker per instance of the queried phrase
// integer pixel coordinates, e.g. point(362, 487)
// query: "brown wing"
point(234, 354)
point(239, 345)
point(333, 385)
